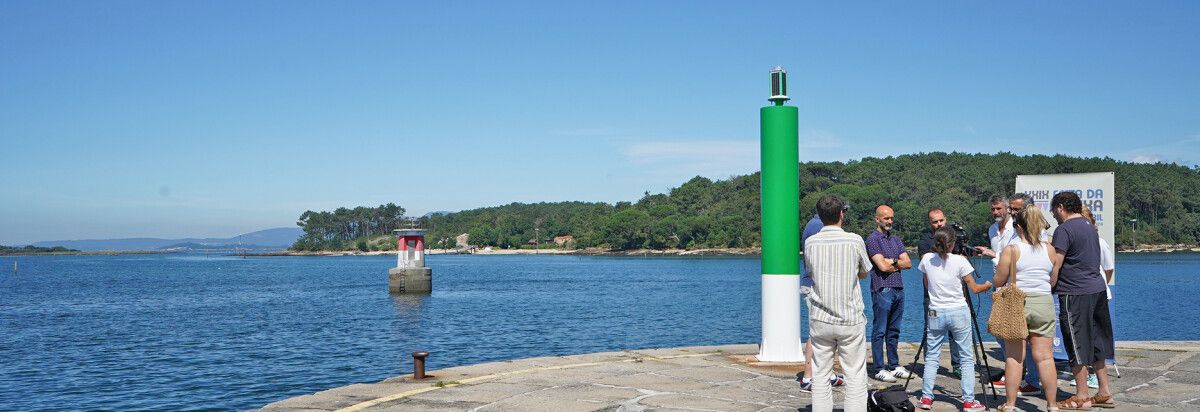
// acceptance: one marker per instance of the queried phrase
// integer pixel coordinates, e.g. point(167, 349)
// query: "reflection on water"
point(408, 324)
point(408, 305)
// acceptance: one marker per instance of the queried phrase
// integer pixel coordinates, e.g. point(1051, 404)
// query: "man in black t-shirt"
point(937, 219)
point(1083, 302)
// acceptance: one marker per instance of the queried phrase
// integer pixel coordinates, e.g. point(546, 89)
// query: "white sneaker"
point(885, 376)
point(901, 373)
point(1092, 381)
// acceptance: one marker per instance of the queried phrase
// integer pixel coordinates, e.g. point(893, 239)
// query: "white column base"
point(781, 319)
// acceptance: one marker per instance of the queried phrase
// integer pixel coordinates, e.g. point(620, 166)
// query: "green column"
point(780, 190)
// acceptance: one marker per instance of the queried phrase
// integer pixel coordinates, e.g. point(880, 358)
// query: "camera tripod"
point(980, 352)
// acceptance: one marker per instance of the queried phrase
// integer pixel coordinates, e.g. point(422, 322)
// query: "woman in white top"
point(948, 315)
point(1033, 261)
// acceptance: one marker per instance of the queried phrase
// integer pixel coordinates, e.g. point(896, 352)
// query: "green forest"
point(33, 250)
point(703, 213)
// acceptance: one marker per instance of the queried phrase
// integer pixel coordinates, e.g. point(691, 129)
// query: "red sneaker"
point(973, 406)
point(925, 403)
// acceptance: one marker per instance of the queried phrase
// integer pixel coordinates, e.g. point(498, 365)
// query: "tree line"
point(703, 213)
point(345, 229)
point(32, 250)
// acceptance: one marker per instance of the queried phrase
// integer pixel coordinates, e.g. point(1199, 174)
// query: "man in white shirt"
point(1108, 262)
point(837, 321)
point(1001, 233)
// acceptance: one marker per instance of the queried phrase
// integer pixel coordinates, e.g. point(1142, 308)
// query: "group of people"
point(1071, 265)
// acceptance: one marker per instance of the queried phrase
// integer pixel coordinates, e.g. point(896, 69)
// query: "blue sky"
point(174, 119)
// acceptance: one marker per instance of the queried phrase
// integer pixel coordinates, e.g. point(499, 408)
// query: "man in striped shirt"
point(837, 260)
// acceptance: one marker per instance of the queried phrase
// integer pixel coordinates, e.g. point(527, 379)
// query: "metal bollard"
point(419, 364)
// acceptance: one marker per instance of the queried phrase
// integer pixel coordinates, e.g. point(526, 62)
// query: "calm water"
point(185, 332)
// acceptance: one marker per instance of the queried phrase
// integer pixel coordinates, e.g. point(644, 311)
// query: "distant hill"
point(213, 248)
point(280, 236)
point(277, 238)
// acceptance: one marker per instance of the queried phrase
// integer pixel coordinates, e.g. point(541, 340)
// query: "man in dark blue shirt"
point(887, 295)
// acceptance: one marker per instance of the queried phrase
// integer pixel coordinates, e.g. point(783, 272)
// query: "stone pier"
point(410, 280)
point(1153, 376)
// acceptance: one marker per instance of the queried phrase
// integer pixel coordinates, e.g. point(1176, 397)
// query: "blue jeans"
point(956, 325)
point(1031, 369)
point(954, 361)
point(888, 307)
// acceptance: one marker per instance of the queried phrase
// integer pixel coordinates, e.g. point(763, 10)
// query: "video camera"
point(962, 241)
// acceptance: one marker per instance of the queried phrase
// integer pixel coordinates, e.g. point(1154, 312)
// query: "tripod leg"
point(982, 352)
point(985, 378)
point(921, 351)
point(924, 337)
point(986, 367)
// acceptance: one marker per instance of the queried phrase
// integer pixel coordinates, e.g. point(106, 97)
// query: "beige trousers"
point(850, 346)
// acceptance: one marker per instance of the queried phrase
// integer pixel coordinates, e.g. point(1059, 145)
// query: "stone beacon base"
point(410, 280)
point(1154, 376)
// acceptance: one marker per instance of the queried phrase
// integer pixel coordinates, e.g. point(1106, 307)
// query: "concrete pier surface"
point(1154, 376)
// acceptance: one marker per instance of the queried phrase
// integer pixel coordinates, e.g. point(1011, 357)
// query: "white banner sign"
point(1094, 189)
point(1096, 192)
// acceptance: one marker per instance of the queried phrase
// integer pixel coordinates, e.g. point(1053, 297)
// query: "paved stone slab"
point(560, 377)
point(568, 399)
point(695, 402)
point(425, 406)
point(484, 392)
point(744, 395)
point(718, 374)
point(1189, 363)
point(1154, 376)
point(656, 382)
point(1149, 359)
point(368, 391)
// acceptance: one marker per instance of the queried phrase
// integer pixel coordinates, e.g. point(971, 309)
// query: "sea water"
point(191, 332)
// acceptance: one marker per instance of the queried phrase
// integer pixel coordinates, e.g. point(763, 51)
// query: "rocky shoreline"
point(501, 252)
point(1162, 249)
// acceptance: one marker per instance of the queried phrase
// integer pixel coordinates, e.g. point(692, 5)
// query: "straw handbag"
point(1007, 320)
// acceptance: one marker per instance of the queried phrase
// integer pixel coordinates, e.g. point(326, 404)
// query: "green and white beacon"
point(780, 152)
